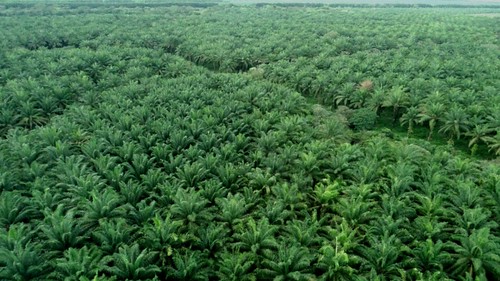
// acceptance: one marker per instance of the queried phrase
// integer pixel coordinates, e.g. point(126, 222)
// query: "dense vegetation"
point(245, 143)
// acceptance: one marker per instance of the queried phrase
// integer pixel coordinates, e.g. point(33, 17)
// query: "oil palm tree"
point(384, 257)
point(188, 266)
point(494, 143)
point(410, 118)
point(190, 209)
point(78, 264)
point(397, 99)
point(335, 265)
point(24, 262)
point(476, 254)
point(291, 262)
point(14, 208)
point(432, 113)
point(61, 230)
point(235, 266)
point(112, 234)
point(479, 133)
point(430, 256)
point(257, 238)
point(455, 122)
point(130, 263)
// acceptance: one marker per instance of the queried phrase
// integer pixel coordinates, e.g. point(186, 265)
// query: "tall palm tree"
point(455, 122)
point(397, 98)
point(494, 143)
point(410, 117)
point(479, 133)
point(432, 113)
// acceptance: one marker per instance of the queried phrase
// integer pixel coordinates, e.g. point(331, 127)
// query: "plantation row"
point(128, 154)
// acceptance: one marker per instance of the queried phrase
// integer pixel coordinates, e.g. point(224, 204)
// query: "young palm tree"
point(494, 143)
point(62, 231)
point(235, 266)
point(190, 209)
point(233, 209)
point(130, 263)
point(14, 208)
point(291, 262)
point(188, 266)
point(384, 257)
point(430, 256)
point(30, 116)
point(476, 254)
point(257, 238)
point(305, 232)
point(78, 264)
point(112, 234)
point(335, 265)
point(107, 204)
point(24, 262)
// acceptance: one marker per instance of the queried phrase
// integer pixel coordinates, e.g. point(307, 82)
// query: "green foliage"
point(363, 119)
point(213, 142)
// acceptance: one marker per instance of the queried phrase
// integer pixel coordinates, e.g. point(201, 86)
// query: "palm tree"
point(494, 143)
point(190, 209)
point(14, 208)
point(430, 256)
point(335, 265)
point(305, 232)
point(410, 117)
point(397, 98)
point(62, 231)
point(30, 116)
point(291, 262)
point(24, 262)
point(455, 121)
point(233, 209)
point(479, 133)
point(432, 113)
point(188, 266)
point(476, 254)
point(376, 100)
point(78, 264)
point(106, 204)
point(235, 266)
point(257, 237)
point(112, 234)
point(132, 263)
point(384, 256)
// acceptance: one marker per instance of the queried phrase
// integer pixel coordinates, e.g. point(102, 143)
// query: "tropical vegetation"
point(258, 142)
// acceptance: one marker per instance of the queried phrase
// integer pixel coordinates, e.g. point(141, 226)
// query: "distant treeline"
point(358, 5)
point(210, 3)
point(127, 3)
